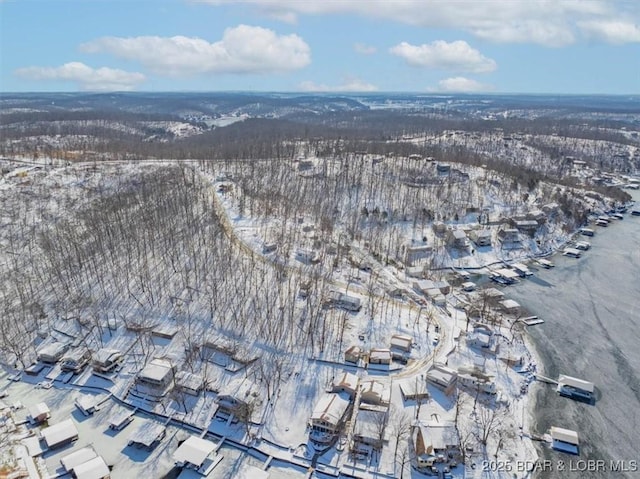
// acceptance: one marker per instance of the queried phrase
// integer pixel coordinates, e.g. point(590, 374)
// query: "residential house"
point(481, 237)
point(189, 383)
point(380, 356)
point(159, 372)
point(75, 360)
point(443, 377)
point(193, 452)
point(328, 417)
point(457, 238)
point(369, 430)
point(345, 382)
point(106, 360)
point(353, 354)
point(148, 435)
point(52, 352)
point(374, 393)
point(60, 434)
point(39, 413)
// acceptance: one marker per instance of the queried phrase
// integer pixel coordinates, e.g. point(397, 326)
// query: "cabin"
point(442, 377)
point(353, 354)
point(193, 452)
point(410, 254)
point(477, 383)
point(345, 382)
point(106, 360)
point(434, 443)
point(483, 339)
point(369, 430)
point(120, 421)
point(457, 238)
point(39, 413)
point(189, 383)
point(492, 295)
point(94, 468)
point(587, 232)
point(52, 352)
point(157, 373)
point(564, 440)
point(85, 463)
point(481, 237)
point(575, 388)
point(526, 226)
point(328, 417)
point(75, 360)
point(401, 342)
point(86, 404)
point(374, 393)
point(60, 434)
point(380, 356)
point(344, 301)
point(509, 235)
point(147, 436)
point(413, 389)
point(237, 396)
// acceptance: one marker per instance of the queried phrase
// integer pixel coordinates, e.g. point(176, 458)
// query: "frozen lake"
point(591, 308)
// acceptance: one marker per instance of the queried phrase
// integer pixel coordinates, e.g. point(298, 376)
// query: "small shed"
point(353, 354)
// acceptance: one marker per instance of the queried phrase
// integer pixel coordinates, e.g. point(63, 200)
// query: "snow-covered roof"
point(78, 457)
point(576, 383)
point(194, 451)
point(147, 433)
point(374, 391)
point(509, 304)
point(440, 435)
point(94, 468)
point(52, 350)
point(564, 435)
point(507, 273)
point(401, 341)
point(380, 354)
point(38, 409)
point(441, 374)
point(86, 402)
point(330, 408)
point(369, 423)
point(105, 355)
point(187, 380)
point(58, 433)
point(346, 380)
point(157, 370)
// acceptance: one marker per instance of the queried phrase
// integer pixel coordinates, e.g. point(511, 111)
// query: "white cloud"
point(364, 49)
point(243, 49)
point(100, 79)
point(352, 84)
point(456, 56)
point(461, 85)
point(545, 22)
point(611, 31)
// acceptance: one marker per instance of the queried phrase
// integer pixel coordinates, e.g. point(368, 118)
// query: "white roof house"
point(94, 468)
point(87, 404)
point(443, 377)
point(52, 353)
point(59, 434)
point(345, 382)
point(380, 356)
point(330, 409)
point(147, 435)
point(158, 372)
point(401, 342)
point(189, 382)
point(106, 359)
point(78, 457)
point(39, 412)
point(193, 452)
point(374, 392)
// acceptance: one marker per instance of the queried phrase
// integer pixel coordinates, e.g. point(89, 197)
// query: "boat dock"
point(544, 379)
point(531, 320)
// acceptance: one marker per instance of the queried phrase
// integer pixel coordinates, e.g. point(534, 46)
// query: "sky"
point(437, 46)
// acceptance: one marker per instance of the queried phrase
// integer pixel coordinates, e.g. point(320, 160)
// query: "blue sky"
point(502, 46)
